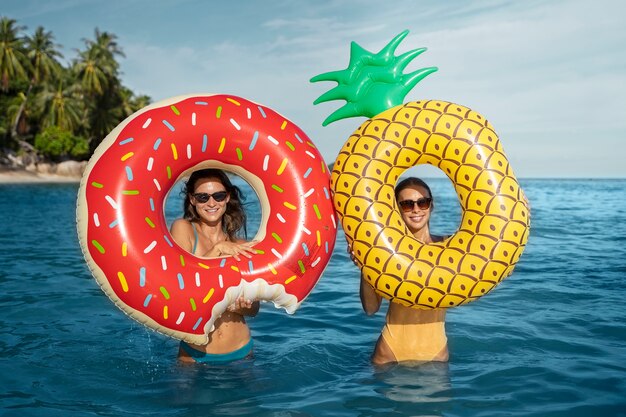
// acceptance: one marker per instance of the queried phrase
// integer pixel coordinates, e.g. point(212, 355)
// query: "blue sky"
point(549, 75)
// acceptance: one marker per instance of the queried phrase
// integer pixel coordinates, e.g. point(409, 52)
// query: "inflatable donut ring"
point(495, 215)
point(123, 232)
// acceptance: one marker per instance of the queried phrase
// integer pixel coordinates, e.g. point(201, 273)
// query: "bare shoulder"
point(181, 225)
point(182, 233)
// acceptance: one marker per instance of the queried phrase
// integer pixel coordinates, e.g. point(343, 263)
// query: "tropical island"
point(54, 112)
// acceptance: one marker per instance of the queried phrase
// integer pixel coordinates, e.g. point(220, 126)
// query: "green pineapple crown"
point(372, 83)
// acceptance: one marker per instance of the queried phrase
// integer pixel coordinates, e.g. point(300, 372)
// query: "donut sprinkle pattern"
point(122, 227)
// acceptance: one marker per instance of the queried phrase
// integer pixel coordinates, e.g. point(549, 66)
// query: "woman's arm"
point(369, 299)
point(231, 249)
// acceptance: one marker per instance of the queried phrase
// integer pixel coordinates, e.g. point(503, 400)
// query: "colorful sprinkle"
point(310, 154)
point(112, 202)
point(124, 249)
point(97, 184)
point(255, 137)
point(290, 279)
point(319, 238)
point(157, 143)
point(193, 118)
point(201, 103)
point(181, 281)
point(315, 262)
point(142, 276)
point(235, 102)
point(189, 151)
point(157, 184)
point(147, 300)
point(169, 126)
point(127, 156)
point(98, 246)
point(181, 258)
point(277, 188)
point(290, 145)
point(317, 212)
point(281, 218)
point(326, 193)
point(129, 173)
point(96, 220)
point(298, 137)
point(208, 296)
point(181, 316)
point(197, 276)
point(234, 268)
point(220, 280)
point(282, 166)
point(301, 265)
point(308, 193)
point(277, 254)
point(174, 152)
point(195, 326)
point(175, 110)
point(274, 141)
point(308, 172)
point(122, 278)
point(130, 192)
point(151, 204)
point(163, 263)
point(234, 123)
point(222, 145)
point(114, 223)
point(305, 248)
point(266, 161)
point(193, 304)
point(289, 205)
point(201, 265)
point(262, 111)
point(204, 142)
point(150, 247)
point(239, 154)
point(218, 113)
point(271, 267)
point(125, 141)
point(169, 172)
point(305, 230)
point(150, 163)
point(150, 222)
point(165, 293)
point(147, 123)
point(165, 312)
point(277, 237)
point(169, 242)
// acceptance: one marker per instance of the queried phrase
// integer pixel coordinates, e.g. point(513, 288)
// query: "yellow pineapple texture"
point(495, 221)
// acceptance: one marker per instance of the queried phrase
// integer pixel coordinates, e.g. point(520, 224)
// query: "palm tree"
point(13, 62)
point(96, 66)
point(42, 53)
point(61, 107)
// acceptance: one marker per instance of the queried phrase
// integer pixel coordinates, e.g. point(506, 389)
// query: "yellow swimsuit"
point(415, 342)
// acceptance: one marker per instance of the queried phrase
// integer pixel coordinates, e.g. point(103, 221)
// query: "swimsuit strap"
point(195, 242)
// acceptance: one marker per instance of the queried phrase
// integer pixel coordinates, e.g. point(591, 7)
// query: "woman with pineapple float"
point(387, 227)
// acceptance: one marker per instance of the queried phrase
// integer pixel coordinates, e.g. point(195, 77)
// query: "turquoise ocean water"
point(549, 341)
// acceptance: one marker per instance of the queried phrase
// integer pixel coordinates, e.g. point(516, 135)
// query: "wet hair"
point(234, 217)
point(414, 182)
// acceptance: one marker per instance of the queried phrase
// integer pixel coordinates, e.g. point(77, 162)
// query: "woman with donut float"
point(495, 219)
point(123, 232)
point(213, 217)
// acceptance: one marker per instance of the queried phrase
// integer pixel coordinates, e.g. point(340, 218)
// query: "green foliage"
point(56, 143)
point(84, 99)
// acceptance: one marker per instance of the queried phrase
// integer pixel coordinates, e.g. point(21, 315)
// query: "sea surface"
point(549, 341)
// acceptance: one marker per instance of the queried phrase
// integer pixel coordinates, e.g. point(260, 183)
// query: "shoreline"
point(22, 176)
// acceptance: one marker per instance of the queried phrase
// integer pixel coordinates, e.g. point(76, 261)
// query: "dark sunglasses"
point(204, 197)
point(422, 203)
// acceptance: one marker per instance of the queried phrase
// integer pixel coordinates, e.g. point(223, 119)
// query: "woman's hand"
point(244, 306)
point(233, 249)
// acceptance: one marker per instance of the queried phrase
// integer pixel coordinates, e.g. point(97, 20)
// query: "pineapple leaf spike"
point(372, 83)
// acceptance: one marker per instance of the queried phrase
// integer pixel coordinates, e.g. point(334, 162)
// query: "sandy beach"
point(11, 176)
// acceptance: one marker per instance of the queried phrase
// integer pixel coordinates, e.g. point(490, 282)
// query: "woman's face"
point(210, 211)
point(416, 218)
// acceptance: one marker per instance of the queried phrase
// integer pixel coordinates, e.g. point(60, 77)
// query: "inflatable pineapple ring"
point(495, 221)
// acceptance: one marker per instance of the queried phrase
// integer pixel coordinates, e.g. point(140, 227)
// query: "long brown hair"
point(235, 216)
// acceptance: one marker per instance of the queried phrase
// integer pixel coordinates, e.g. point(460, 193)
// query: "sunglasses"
point(204, 197)
point(422, 203)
